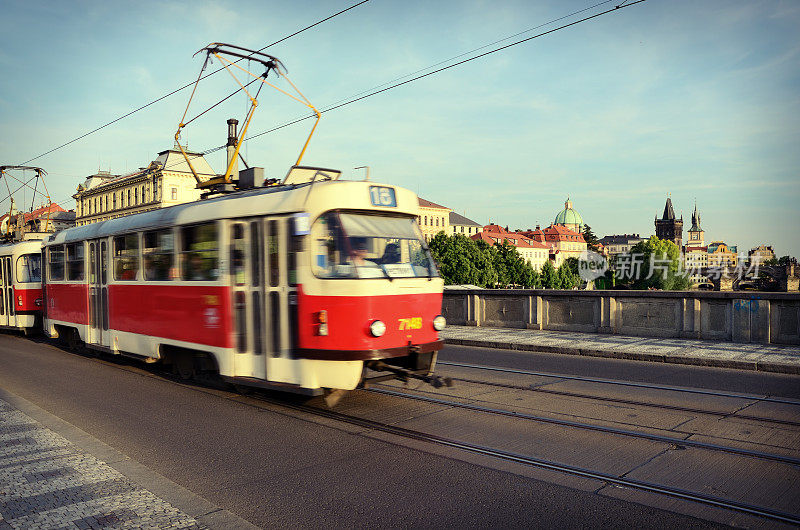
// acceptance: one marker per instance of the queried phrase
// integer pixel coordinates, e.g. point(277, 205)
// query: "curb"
point(203, 511)
point(634, 356)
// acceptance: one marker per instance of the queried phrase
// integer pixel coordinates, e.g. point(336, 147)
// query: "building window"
point(437, 221)
point(129, 197)
point(174, 194)
point(426, 221)
point(136, 196)
point(114, 201)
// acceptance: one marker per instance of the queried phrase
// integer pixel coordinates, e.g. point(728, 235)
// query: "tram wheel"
point(74, 342)
point(183, 367)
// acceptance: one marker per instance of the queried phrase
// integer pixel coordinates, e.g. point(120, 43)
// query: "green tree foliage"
point(550, 278)
point(660, 266)
point(568, 274)
point(464, 261)
point(591, 239)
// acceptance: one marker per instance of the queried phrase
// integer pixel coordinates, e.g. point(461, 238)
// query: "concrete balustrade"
point(769, 318)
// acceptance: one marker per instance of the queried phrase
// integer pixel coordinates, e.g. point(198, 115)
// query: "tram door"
point(7, 296)
point(98, 293)
point(260, 294)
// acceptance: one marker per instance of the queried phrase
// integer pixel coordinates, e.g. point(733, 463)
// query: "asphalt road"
point(274, 468)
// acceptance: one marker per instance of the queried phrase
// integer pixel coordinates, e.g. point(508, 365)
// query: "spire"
point(669, 213)
point(695, 219)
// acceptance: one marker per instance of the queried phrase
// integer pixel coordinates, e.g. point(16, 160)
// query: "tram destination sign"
point(382, 196)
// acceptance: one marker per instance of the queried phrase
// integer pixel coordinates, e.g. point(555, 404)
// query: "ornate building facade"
point(165, 182)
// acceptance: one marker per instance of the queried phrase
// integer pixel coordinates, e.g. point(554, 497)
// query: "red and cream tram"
point(20, 281)
point(300, 286)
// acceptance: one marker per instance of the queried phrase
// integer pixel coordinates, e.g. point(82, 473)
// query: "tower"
point(668, 227)
point(696, 235)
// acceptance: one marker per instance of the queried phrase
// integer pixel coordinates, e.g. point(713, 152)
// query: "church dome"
point(569, 217)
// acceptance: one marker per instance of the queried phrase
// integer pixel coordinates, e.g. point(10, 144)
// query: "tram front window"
point(349, 245)
point(29, 268)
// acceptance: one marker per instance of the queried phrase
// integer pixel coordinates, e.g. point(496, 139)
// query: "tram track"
point(679, 408)
point(542, 463)
point(593, 427)
point(526, 460)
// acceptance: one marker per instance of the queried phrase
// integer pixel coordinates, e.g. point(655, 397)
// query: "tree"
point(549, 276)
point(660, 265)
point(566, 276)
point(484, 264)
point(456, 258)
point(591, 239)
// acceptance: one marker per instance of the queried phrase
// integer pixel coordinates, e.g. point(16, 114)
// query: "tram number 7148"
point(410, 323)
point(382, 196)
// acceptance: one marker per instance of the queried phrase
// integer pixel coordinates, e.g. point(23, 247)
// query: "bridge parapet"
point(768, 318)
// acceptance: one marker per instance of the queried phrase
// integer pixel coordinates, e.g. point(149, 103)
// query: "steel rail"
point(670, 491)
point(532, 388)
point(624, 383)
point(592, 427)
point(547, 464)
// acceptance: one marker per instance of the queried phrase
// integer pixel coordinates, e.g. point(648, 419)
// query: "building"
point(535, 253)
point(562, 243)
point(722, 255)
point(668, 227)
point(569, 218)
point(17, 225)
point(758, 255)
point(695, 261)
point(433, 218)
point(461, 225)
point(167, 181)
point(619, 243)
point(696, 235)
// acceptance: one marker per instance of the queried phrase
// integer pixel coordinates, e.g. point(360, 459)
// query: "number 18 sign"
point(382, 196)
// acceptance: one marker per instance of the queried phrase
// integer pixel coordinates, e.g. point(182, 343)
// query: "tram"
point(20, 282)
point(310, 285)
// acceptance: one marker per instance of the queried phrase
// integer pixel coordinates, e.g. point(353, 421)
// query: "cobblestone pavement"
point(47, 482)
point(746, 356)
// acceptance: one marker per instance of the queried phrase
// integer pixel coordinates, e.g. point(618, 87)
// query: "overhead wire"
point(165, 96)
point(358, 97)
point(396, 85)
point(375, 92)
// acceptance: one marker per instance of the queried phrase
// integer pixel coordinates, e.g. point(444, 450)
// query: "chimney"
point(231, 149)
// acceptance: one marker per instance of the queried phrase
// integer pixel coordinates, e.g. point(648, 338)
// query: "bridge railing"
point(769, 318)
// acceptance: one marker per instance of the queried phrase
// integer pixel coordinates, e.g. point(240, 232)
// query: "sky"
point(697, 100)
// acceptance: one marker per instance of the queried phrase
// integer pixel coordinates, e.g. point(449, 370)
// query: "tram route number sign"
point(382, 196)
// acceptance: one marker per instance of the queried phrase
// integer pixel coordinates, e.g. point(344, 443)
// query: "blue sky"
point(696, 99)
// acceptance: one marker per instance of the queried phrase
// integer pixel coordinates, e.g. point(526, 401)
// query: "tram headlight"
point(439, 322)
point(377, 328)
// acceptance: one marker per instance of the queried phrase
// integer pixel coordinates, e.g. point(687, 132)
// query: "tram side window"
point(29, 268)
point(158, 255)
point(126, 257)
point(200, 252)
point(56, 254)
point(75, 262)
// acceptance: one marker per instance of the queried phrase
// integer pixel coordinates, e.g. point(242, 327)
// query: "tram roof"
point(272, 200)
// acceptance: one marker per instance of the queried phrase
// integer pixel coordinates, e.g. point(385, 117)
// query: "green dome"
point(568, 216)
